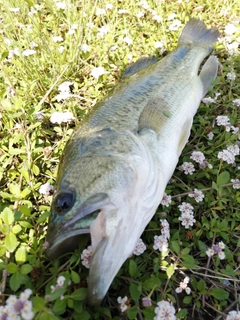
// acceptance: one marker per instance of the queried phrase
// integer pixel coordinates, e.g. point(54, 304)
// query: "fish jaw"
point(65, 230)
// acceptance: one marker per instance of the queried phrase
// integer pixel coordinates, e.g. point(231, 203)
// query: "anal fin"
point(208, 73)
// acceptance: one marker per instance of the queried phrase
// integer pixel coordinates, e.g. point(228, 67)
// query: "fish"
point(116, 165)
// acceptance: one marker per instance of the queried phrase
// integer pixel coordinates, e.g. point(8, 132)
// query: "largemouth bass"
point(116, 166)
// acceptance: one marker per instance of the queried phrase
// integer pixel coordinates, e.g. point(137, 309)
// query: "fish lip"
point(64, 241)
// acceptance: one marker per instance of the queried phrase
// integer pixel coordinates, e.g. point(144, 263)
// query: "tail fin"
point(195, 32)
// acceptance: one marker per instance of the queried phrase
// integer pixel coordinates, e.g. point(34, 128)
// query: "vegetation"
point(43, 45)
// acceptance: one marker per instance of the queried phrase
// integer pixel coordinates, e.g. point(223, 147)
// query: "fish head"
point(99, 191)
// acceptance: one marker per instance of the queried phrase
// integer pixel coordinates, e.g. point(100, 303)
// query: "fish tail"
point(196, 33)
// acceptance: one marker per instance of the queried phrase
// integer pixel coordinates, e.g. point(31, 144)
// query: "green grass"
point(30, 150)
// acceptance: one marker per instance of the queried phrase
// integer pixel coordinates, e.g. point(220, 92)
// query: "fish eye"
point(63, 201)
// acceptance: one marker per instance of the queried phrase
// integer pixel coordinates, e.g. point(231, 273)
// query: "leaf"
point(151, 282)
point(15, 190)
point(7, 216)
point(170, 270)
point(223, 178)
point(132, 312)
point(38, 303)
point(84, 315)
point(189, 262)
point(148, 313)
point(12, 267)
point(26, 268)
point(16, 281)
point(75, 277)
point(175, 247)
point(79, 294)
point(201, 285)
point(21, 254)
point(133, 270)
point(57, 293)
point(187, 299)
point(135, 291)
point(219, 294)
point(11, 242)
point(16, 229)
point(59, 306)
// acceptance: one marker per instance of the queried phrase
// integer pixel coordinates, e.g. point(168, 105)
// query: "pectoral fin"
point(154, 115)
point(208, 73)
point(184, 135)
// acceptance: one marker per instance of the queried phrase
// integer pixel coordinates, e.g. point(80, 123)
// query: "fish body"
point(117, 164)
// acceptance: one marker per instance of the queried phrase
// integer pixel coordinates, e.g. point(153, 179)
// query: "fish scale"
point(115, 167)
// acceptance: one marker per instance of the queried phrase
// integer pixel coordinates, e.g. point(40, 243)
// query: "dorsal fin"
point(140, 64)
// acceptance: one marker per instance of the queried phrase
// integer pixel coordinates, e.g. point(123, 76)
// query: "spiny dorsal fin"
point(208, 73)
point(140, 64)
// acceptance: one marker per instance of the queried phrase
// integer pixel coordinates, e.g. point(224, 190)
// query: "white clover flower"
point(103, 31)
point(127, 40)
point(183, 286)
point(223, 120)
point(187, 219)
point(236, 183)
point(140, 14)
point(172, 16)
point(46, 189)
point(28, 52)
point(187, 168)
point(221, 255)
point(157, 18)
point(140, 247)
point(166, 200)
point(65, 86)
point(85, 48)
point(61, 117)
point(14, 52)
point(175, 25)
point(109, 6)
point(234, 149)
point(230, 29)
point(61, 49)
point(236, 102)
point(61, 5)
point(164, 311)
point(165, 231)
point(97, 72)
point(210, 135)
point(57, 39)
point(186, 207)
point(122, 11)
point(231, 76)
point(86, 257)
point(208, 100)
point(209, 252)
point(7, 41)
point(60, 281)
point(197, 195)
point(197, 156)
point(221, 245)
point(100, 11)
point(33, 44)
point(235, 130)
point(144, 5)
point(14, 10)
point(160, 243)
point(233, 315)
point(158, 45)
point(122, 302)
point(226, 156)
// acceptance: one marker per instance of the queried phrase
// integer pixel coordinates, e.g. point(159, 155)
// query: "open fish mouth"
point(68, 239)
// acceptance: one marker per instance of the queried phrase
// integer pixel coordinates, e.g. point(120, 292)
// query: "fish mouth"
point(65, 242)
point(64, 231)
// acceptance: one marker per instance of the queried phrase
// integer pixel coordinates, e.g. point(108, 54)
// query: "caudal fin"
point(196, 33)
